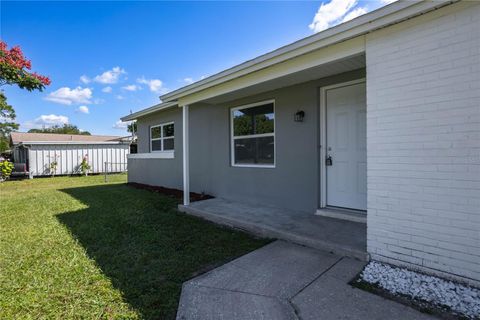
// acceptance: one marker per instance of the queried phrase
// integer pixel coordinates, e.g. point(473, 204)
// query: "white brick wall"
point(423, 140)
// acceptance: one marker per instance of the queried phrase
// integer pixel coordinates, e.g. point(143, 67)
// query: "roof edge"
point(71, 142)
point(392, 13)
point(152, 109)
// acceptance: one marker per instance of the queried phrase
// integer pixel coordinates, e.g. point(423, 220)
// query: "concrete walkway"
point(286, 281)
point(345, 238)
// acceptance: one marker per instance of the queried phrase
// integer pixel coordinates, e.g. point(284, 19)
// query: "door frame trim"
point(323, 134)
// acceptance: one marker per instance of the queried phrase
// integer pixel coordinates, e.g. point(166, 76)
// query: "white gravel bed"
point(459, 298)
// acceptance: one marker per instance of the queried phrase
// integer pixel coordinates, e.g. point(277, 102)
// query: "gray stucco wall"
point(293, 183)
point(158, 172)
point(143, 129)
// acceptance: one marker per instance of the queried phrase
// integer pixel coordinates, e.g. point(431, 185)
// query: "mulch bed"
point(175, 193)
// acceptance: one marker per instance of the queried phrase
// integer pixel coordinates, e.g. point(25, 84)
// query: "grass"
point(79, 248)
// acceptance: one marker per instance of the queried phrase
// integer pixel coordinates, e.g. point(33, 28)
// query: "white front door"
point(346, 167)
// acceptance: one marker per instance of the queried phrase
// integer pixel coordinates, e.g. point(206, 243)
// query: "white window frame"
point(161, 125)
point(233, 138)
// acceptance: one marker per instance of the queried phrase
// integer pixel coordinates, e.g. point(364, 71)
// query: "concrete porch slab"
point(344, 238)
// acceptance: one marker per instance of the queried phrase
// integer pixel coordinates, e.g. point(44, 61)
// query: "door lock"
point(328, 161)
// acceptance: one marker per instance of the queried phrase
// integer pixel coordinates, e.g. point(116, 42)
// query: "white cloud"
point(85, 79)
point(52, 119)
point(107, 89)
point(333, 12)
point(155, 85)
point(354, 13)
point(83, 109)
point(131, 87)
point(121, 125)
point(190, 80)
point(68, 96)
point(46, 120)
point(329, 13)
point(119, 97)
point(110, 76)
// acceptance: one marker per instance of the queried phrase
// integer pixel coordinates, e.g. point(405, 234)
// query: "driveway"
point(286, 281)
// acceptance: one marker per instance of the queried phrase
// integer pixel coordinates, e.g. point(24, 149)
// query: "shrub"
point(53, 167)
point(6, 168)
point(84, 166)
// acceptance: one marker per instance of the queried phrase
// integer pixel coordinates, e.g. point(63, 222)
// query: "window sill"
point(253, 166)
point(152, 155)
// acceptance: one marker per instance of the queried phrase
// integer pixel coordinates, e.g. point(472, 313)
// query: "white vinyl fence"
point(69, 157)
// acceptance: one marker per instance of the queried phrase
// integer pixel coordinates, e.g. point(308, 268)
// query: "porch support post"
point(186, 165)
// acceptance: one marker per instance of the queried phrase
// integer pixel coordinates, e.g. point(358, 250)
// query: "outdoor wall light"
point(299, 115)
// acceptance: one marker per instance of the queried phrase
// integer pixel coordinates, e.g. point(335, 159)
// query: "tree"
point(7, 124)
point(252, 124)
point(65, 129)
point(14, 70)
point(132, 127)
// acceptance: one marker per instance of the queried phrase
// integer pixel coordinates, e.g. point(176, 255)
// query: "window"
point(162, 137)
point(253, 135)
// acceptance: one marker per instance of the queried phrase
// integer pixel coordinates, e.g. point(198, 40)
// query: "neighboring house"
point(40, 150)
point(379, 115)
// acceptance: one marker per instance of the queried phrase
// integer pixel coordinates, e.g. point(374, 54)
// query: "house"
point(378, 117)
point(40, 150)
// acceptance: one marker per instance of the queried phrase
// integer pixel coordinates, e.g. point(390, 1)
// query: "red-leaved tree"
point(15, 69)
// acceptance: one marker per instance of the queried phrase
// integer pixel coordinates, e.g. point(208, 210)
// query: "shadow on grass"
point(146, 247)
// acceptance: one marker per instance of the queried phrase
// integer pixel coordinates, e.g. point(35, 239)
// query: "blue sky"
point(107, 58)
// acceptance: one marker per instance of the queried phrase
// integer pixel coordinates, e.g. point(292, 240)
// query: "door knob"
point(328, 161)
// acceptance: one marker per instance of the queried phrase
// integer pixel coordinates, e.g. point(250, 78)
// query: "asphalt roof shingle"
point(25, 137)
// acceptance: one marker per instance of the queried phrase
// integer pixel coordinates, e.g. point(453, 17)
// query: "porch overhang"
point(327, 69)
point(343, 57)
point(344, 40)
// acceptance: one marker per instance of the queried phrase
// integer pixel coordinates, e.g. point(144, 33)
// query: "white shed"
point(39, 150)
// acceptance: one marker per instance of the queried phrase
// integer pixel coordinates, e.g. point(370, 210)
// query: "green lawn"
point(76, 247)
